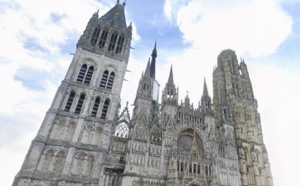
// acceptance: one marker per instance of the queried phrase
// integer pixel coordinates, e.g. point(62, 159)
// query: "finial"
point(124, 3)
point(126, 104)
point(118, 1)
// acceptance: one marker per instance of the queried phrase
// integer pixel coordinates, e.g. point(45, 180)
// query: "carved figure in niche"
point(254, 156)
point(242, 152)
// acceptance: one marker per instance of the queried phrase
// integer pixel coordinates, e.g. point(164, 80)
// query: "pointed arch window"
point(107, 80)
point(110, 81)
point(85, 75)
point(89, 75)
point(80, 103)
point(105, 109)
point(112, 43)
point(95, 107)
point(95, 36)
point(104, 79)
point(82, 73)
point(103, 39)
point(70, 101)
point(120, 44)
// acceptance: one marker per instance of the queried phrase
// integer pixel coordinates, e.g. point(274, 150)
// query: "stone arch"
point(96, 135)
point(87, 134)
point(69, 131)
point(89, 163)
point(111, 68)
point(47, 160)
point(57, 129)
point(78, 163)
point(59, 162)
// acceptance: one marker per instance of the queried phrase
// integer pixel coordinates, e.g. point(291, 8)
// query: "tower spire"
point(153, 61)
point(170, 80)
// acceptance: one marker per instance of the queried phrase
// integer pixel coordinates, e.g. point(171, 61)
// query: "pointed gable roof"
point(116, 16)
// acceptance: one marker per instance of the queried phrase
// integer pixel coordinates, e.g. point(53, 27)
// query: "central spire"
point(153, 61)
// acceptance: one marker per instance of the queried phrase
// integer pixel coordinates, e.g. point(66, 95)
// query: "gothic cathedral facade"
point(85, 140)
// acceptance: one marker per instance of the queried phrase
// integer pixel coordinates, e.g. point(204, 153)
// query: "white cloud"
point(253, 27)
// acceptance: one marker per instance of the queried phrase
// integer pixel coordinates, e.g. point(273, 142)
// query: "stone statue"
point(254, 156)
point(242, 152)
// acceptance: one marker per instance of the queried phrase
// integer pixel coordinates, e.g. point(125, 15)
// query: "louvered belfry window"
point(95, 107)
point(95, 36)
point(105, 109)
point(85, 75)
point(112, 43)
point(103, 39)
point(107, 80)
point(82, 73)
point(70, 101)
point(89, 75)
point(104, 79)
point(110, 81)
point(120, 44)
point(79, 104)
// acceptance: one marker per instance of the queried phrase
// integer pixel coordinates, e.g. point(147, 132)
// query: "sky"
point(37, 38)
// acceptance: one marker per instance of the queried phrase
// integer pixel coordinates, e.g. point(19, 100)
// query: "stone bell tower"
point(75, 134)
point(240, 139)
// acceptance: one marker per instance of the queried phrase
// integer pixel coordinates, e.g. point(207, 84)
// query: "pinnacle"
point(147, 72)
point(170, 80)
point(205, 91)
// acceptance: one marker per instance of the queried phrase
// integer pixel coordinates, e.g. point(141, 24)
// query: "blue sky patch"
point(31, 78)
point(32, 44)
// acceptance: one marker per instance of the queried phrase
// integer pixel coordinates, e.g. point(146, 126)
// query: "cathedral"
point(88, 139)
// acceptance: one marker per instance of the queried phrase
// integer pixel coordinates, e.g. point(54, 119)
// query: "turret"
point(206, 105)
point(170, 93)
point(244, 69)
point(170, 97)
point(108, 35)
